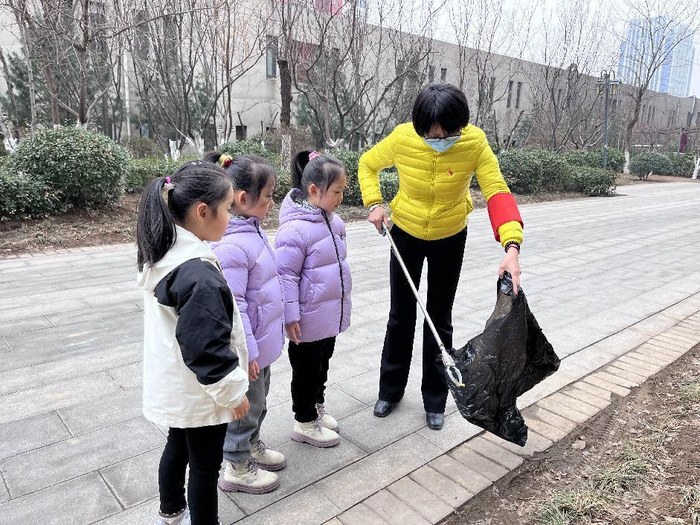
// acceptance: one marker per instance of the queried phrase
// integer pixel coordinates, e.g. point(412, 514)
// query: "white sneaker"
point(247, 477)
point(268, 459)
point(327, 420)
point(179, 519)
point(314, 433)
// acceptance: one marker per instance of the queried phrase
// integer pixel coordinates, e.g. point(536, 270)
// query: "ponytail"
point(166, 203)
point(249, 173)
point(155, 229)
point(311, 168)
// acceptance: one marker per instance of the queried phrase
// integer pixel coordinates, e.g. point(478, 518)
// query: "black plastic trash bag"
point(510, 357)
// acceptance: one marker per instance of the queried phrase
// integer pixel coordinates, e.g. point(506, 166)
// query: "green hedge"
point(141, 171)
point(650, 161)
point(594, 158)
point(23, 197)
point(522, 170)
point(251, 147)
point(86, 168)
point(683, 164)
point(595, 182)
point(556, 172)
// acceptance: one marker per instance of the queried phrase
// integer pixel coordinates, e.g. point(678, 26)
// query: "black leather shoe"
point(383, 408)
point(435, 420)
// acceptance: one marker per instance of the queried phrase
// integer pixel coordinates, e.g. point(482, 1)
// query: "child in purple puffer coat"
point(311, 260)
point(248, 263)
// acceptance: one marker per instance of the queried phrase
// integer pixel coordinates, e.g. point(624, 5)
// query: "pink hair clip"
point(313, 155)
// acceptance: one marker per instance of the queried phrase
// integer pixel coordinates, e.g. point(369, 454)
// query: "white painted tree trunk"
point(174, 152)
point(626, 168)
point(287, 152)
point(697, 167)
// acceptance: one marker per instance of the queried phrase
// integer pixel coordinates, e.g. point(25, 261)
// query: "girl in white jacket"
point(195, 357)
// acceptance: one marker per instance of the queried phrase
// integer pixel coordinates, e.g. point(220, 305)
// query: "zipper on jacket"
point(279, 281)
point(340, 267)
point(432, 195)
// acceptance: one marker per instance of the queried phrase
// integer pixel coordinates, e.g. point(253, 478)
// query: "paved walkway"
point(601, 275)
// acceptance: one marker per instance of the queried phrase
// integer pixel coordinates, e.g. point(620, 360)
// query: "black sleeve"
point(202, 299)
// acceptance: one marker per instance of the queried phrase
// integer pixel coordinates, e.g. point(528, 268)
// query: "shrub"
point(141, 171)
point(284, 184)
point(251, 147)
point(650, 161)
point(683, 164)
point(389, 182)
point(595, 182)
point(142, 147)
point(86, 168)
point(22, 197)
point(556, 172)
point(522, 170)
point(351, 160)
point(594, 158)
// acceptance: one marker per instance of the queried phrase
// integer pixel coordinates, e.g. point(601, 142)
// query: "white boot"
point(314, 433)
point(327, 420)
point(247, 477)
point(183, 518)
point(267, 458)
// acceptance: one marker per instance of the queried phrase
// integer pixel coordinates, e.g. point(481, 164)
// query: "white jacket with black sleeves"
point(195, 358)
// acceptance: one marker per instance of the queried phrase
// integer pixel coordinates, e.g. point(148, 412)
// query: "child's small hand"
point(253, 370)
point(241, 410)
point(294, 332)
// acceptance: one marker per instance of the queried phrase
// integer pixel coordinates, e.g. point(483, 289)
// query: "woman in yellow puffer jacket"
point(436, 156)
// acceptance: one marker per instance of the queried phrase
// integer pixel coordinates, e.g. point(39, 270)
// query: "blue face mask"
point(442, 145)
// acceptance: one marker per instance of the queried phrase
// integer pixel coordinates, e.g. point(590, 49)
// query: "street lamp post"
point(608, 84)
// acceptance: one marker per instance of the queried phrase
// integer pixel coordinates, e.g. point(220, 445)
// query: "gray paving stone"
point(364, 387)
point(473, 481)
point(600, 382)
point(78, 456)
point(640, 363)
point(674, 341)
point(641, 371)
point(374, 472)
point(578, 404)
point(494, 452)
point(85, 364)
point(590, 399)
point(614, 377)
point(306, 507)
point(24, 325)
point(18, 379)
point(134, 480)
point(535, 443)
point(626, 374)
point(22, 435)
point(659, 360)
point(4, 493)
point(341, 405)
point(128, 377)
point(547, 427)
point(407, 417)
point(590, 390)
point(393, 510)
point(455, 432)
point(26, 403)
point(656, 351)
point(562, 410)
point(79, 501)
point(361, 514)
point(442, 486)
point(102, 411)
point(420, 499)
point(334, 521)
point(142, 514)
point(487, 467)
point(94, 316)
point(305, 465)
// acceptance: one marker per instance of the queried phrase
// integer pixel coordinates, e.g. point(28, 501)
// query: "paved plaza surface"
point(601, 275)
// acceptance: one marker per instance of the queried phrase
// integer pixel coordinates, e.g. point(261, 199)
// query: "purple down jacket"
point(249, 267)
point(311, 260)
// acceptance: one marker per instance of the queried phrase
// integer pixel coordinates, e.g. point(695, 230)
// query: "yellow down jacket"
point(433, 200)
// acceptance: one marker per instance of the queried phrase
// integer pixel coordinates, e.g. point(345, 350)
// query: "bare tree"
point(661, 26)
point(564, 92)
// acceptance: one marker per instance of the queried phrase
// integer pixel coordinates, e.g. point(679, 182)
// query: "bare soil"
point(118, 225)
point(651, 434)
point(624, 180)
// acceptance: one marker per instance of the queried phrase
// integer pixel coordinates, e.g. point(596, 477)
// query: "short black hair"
point(442, 104)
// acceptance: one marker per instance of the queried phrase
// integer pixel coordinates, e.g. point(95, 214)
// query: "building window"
point(517, 95)
point(443, 74)
point(492, 89)
point(241, 132)
point(510, 93)
point(271, 57)
point(431, 73)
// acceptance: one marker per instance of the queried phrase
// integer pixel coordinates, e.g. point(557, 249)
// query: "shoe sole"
point(272, 468)
point(300, 438)
point(383, 414)
point(232, 487)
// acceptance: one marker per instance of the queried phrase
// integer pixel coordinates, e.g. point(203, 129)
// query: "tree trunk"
point(285, 93)
point(17, 131)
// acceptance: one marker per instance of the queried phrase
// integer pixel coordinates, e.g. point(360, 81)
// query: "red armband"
point(502, 209)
